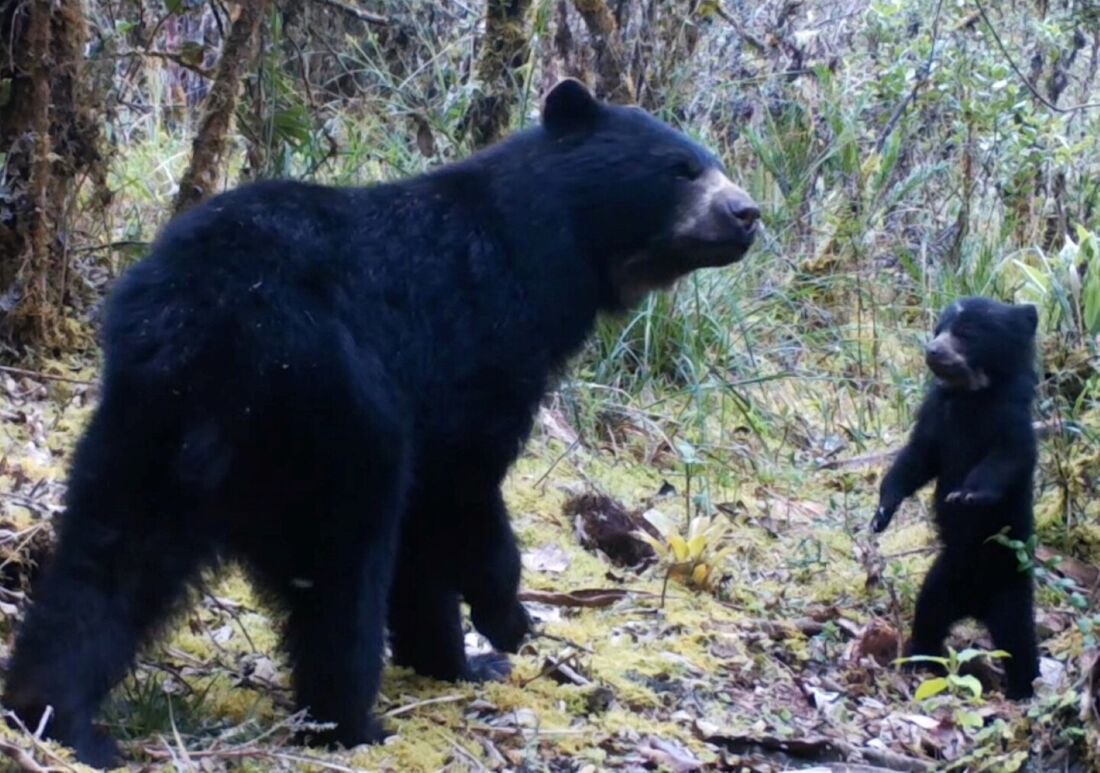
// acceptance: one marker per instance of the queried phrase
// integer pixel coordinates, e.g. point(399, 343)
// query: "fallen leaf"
point(1081, 573)
point(587, 597)
point(550, 559)
point(1052, 673)
point(425, 141)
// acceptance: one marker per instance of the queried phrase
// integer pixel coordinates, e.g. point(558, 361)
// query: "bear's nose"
point(935, 348)
point(744, 211)
point(938, 352)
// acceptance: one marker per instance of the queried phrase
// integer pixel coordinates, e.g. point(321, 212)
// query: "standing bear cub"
point(974, 436)
point(329, 386)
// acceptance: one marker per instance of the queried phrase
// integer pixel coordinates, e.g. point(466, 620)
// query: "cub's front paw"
point(970, 497)
point(883, 515)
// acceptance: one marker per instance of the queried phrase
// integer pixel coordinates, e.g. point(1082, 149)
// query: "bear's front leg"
point(490, 575)
point(470, 554)
point(425, 620)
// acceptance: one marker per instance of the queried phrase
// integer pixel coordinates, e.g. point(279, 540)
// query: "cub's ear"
point(1029, 316)
point(569, 106)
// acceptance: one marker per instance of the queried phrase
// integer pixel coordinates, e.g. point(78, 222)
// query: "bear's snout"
point(720, 224)
point(742, 209)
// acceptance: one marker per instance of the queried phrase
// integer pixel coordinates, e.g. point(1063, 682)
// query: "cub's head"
point(649, 203)
point(979, 341)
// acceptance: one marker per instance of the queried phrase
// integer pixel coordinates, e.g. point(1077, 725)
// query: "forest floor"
point(784, 662)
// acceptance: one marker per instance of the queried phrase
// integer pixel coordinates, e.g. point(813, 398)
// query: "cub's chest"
point(966, 432)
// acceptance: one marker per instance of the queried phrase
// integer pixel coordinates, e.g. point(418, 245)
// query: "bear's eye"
point(962, 332)
point(687, 168)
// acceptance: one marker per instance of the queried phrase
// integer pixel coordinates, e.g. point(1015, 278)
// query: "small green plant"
point(145, 705)
point(964, 688)
point(955, 683)
point(1043, 571)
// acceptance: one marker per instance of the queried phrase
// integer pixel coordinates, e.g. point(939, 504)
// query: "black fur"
point(974, 436)
point(330, 385)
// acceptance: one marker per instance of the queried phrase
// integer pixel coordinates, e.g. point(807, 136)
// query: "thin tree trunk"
point(504, 50)
point(25, 134)
point(50, 133)
point(74, 136)
point(208, 150)
point(612, 79)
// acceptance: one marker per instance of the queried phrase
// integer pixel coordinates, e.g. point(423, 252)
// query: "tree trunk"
point(504, 50)
point(612, 79)
point(50, 136)
point(208, 150)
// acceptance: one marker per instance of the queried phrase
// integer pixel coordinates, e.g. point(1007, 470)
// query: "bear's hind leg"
point(332, 573)
point(1011, 623)
point(335, 632)
point(123, 561)
point(329, 477)
point(939, 607)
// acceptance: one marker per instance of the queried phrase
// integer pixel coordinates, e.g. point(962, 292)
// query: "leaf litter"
point(784, 663)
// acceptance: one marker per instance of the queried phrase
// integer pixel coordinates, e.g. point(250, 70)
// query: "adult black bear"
point(974, 436)
point(330, 384)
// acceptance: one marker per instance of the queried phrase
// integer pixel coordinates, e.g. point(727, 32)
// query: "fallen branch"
point(534, 732)
point(418, 704)
point(14, 719)
point(44, 376)
point(563, 640)
point(820, 750)
point(21, 759)
point(889, 760)
point(251, 753)
point(560, 666)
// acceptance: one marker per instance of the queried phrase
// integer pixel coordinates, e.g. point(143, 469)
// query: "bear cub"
point(328, 386)
point(974, 435)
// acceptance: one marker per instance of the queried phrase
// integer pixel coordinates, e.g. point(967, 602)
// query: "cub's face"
point(979, 341)
point(651, 204)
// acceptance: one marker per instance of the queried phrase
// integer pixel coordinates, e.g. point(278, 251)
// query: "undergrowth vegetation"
point(904, 153)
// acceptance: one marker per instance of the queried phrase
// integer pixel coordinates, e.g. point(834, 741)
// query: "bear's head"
point(648, 203)
point(979, 342)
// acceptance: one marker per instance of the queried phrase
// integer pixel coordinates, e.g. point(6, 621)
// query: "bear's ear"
point(569, 106)
point(1029, 316)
